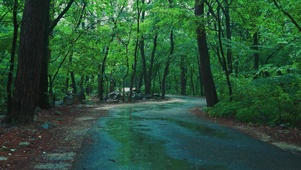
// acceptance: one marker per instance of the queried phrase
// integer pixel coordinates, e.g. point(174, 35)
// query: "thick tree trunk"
point(12, 56)
point(31, 50)
point(206, 75)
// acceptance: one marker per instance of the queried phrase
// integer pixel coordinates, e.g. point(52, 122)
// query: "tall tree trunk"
point(222, 57)
point(192, 81)
point(81, 94)
point(67, 84)
point(101, 76)
point(144, 70)
point(146, 76)
point(166, 69)
point(202, 93)
point(31, 50)
point(229, 37)
point(206, 75)
point(72, 76)
point(44, 94)
point(12, 56)
point(134, 65)
point(73, 82)
point(151, 65)
point(88, 86)
point(183, 79)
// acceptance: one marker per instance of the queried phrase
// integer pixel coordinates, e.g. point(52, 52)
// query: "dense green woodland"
point(243, 55)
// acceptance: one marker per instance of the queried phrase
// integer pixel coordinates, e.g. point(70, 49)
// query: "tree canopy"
point(96, 47)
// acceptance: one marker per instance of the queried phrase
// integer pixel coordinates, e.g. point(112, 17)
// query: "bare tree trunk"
point(206, 75)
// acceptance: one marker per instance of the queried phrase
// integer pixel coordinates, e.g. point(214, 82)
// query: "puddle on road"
point(139, 150)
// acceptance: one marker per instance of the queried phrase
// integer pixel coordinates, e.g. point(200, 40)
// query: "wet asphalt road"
point(157, 136)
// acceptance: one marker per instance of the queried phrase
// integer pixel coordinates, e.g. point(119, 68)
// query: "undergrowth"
point(273, 101)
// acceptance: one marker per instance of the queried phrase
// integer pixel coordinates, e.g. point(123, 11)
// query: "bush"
point(274, 100)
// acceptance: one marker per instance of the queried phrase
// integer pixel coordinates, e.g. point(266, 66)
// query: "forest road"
point(165, 135)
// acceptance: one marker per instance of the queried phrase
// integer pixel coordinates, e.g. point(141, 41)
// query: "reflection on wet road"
point(167, 136)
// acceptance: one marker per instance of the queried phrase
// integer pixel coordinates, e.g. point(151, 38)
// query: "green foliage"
point(269, 95)
point(274, 100)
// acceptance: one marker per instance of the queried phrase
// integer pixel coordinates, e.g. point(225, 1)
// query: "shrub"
point(273, 100)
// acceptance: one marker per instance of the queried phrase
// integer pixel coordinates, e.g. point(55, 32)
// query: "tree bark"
point(206, 75)
point(31, 50)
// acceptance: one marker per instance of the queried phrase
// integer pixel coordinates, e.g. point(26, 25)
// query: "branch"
point(82, 14)
point(288, 15)
point(4, 15)
point(55, 22)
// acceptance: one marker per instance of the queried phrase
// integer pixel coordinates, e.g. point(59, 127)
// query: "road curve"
point(165, 135)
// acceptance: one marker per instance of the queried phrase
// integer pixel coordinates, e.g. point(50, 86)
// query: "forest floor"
point(59, 130)
point(63, 128)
